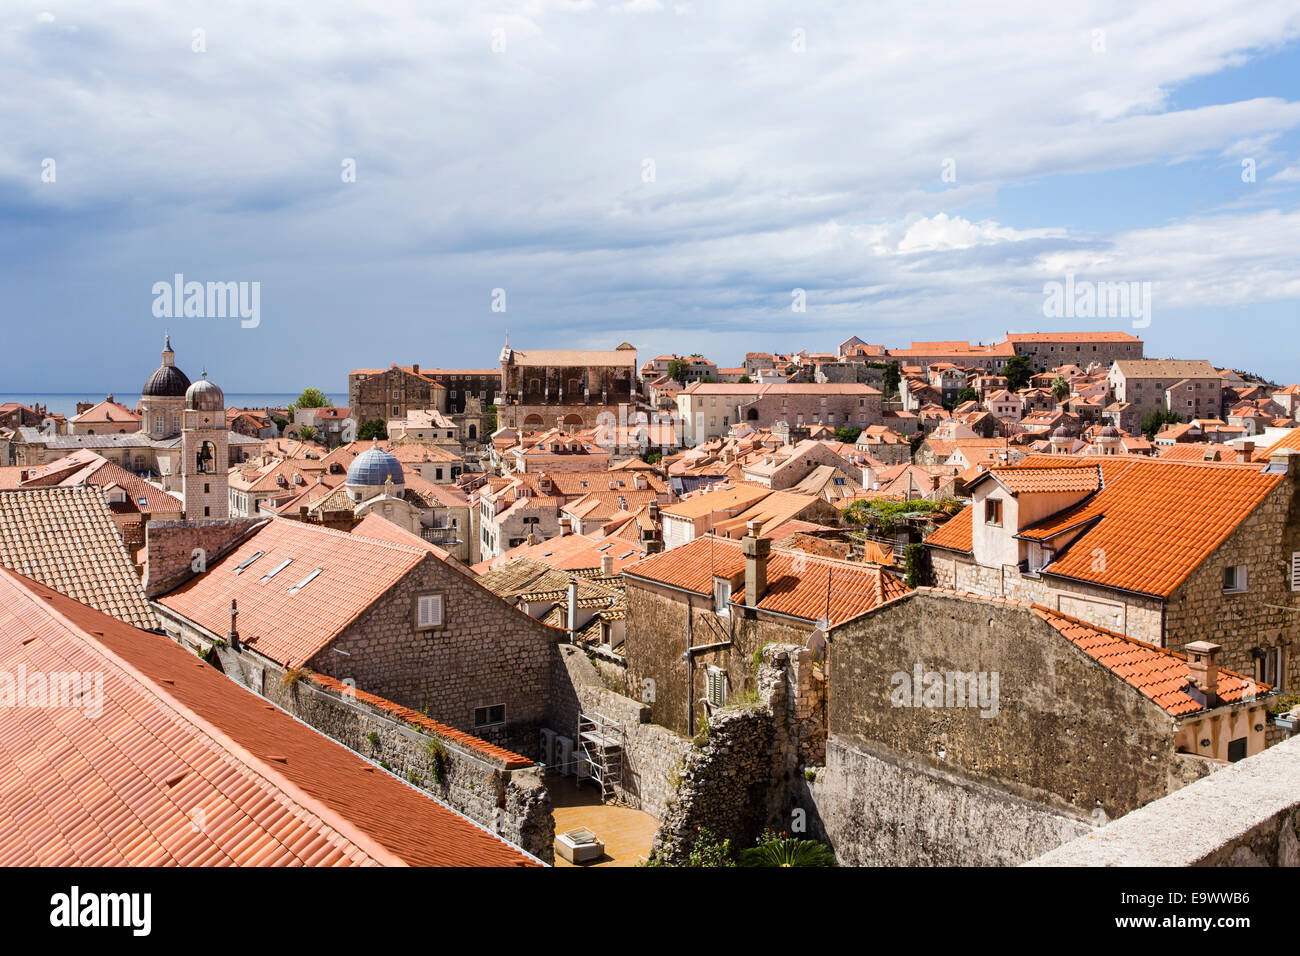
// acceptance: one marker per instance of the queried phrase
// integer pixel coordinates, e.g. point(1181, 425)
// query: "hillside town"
point(947, 603)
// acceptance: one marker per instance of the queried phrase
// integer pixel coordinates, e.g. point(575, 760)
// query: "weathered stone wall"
point(1247, 814)
point(488, 653)
point(1131, 614)
point(1199, 610)
point(659, 624)
point(505, 796)
point(170, 546)
point(877, 808)
point(742, 777)
point(1066, 732)
point(652, 755)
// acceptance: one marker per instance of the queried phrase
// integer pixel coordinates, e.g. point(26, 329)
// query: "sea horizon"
point(65, 403)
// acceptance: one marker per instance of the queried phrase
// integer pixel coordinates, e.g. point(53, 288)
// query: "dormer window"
point(993, 511)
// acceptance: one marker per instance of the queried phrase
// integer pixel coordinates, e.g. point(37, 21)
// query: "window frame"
point(418, 602)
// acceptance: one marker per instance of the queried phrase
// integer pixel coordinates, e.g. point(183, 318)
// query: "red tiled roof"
point(1155, 521)
point(1020, 480)
point(292, 628)
point(185, 767)
point(1159, 674)
point(955, 533)
point(798, 584)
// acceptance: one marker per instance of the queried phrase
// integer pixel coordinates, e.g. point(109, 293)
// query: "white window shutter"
point(430, 610)
point(1295, 570)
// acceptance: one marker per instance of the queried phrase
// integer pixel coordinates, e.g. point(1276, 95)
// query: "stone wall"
point(660, 623)
point(496, 789)
point(1062, 730)
point(652, 755)
point(1247, 814)
point(170, 546)
point(488, 653)
point(742, 776)
point(1132, 614)
point(874, 807)
point(1199, 610)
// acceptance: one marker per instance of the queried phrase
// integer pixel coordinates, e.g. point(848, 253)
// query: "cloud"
point(524, 169)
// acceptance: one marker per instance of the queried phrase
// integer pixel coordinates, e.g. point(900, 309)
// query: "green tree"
point(745, 379)
point(307, 433)
point(1152, 422)
point(1018, 372)
point(1060, 388)
point(777, 849)
point(312, 398)
point(892, 378)
point(677, 370)
point(967, 394)
point(847, 434)
point(375, 428)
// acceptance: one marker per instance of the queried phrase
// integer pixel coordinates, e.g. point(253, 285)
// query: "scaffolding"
point(600, 752)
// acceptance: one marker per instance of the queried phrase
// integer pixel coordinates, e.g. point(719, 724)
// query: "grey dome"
point(205, 396)
point(373, 467)
point(1060, 432)
point(1108, 432)
point(167, 382)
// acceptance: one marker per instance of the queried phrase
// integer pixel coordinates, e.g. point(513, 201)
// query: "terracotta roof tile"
point(66, 539)
point(798, 584)
point(1159, 674)
point(182, 766)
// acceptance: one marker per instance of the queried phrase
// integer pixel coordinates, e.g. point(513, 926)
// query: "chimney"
point(606, 565)
point(1248, 448)
point(232, 636)
point(573, 610)
point(415, 369)
point(756, 550)
point(1203, 669)
point(566, 526)
point(652, 511)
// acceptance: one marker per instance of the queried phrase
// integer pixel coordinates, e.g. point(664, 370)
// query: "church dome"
point(167, 381)
point(205, 396)
point(373, 467)
point(1060, 432)
point(1108, 432)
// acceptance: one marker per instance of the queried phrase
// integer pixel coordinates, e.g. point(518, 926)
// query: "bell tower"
point(205, 452)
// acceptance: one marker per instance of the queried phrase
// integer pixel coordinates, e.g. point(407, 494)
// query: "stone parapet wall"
point(1247, 814)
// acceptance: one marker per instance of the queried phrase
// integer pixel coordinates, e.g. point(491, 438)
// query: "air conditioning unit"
point(564, 756)
point(548, 747)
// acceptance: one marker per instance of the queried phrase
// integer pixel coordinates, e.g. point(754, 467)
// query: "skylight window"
point(305, 581)
point(247, 562)
point(276, 570)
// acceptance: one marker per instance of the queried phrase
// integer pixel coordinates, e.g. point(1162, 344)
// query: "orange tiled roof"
point(292, 628)
point(184, 767)
point(1159, 674)
point(955, 533)
point(1154, 520)
point(798, 584)
point(1020, 480)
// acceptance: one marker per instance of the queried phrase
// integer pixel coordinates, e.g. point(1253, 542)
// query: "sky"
point(411, 181)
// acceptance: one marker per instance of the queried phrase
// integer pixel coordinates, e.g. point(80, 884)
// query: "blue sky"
point(793, 146)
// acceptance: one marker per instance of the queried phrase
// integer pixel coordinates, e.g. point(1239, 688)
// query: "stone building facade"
point(394, 392)
point(708, 411)
point(1048, 350)
point(570, 388)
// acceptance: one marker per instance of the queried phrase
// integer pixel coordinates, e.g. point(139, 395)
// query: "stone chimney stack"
point(756, 549)
point(1203, 669)
point(232, 636)
point(566, 526)
point(606, 565)
point(573, 610)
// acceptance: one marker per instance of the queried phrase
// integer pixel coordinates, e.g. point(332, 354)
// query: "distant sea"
point(65, 403)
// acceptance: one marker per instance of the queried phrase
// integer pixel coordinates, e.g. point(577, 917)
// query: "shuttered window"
point(429, 611)
point(717, 686)
point(1295, 570)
